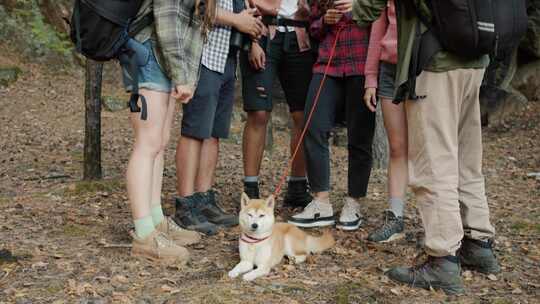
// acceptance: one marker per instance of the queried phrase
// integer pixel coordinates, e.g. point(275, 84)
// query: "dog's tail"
point(319, 244)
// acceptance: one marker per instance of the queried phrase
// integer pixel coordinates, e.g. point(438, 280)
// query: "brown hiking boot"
point(158, 247)
point(177, 234)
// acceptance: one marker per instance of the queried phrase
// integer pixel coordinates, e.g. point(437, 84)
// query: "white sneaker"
point(351, 217)
point(316, 214)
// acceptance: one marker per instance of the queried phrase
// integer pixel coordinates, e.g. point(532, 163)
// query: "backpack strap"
point(138, 26)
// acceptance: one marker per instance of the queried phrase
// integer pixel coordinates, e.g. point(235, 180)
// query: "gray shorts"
point(387, 79)
point(208, 114)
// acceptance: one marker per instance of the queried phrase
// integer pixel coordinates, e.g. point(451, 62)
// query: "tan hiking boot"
point(158, 247)
point(178, 234)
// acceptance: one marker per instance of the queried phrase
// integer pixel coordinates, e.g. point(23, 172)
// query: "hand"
point(182, 93)
point(332, 16)
point(344, 6)
point(246, 22)
point(370, 98)
point(257, 57)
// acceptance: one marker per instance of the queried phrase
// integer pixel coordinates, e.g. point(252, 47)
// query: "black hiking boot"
point(209, 207)
point(188, 215)
point(437, 272)
point(479, 256)
point(391, 230)
point(297, 195)
point(252, 190)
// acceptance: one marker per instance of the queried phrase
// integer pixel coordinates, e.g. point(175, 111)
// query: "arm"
point(365, 12)
point(378, 30)
point(245, 21)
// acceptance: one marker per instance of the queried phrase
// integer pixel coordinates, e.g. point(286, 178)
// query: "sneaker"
point(437, 272)
point(213, 212)
point(391, 230)
point(351, 217)
point(178, 234)
point(188, 216)
point(479, 256)
point(158, 247)
point(252, 190)
point(297, 194)
point(316, 214)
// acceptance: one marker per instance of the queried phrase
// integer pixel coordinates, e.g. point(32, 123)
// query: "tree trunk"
point(92, 134)
point(380, 143)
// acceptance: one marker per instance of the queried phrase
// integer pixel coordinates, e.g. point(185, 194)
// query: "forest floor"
point(66, 241)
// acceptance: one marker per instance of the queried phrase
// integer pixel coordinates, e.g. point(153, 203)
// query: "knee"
point(398, 148)
point(149, 146)
point(258, 118)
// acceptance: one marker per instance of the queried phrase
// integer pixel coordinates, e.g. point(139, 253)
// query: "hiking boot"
point(188, 216)
point(252, 190)
point(178, 234)
point(158, 247)
point(391, 230)
point(213, 212)
point(297, 194)
point(479, 256)
point(316, 214)
point(351, 217)
point(437, 273)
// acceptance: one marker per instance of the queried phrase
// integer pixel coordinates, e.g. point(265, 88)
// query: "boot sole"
point(349, 228)
point(314, 224)
point(447, 290)
point(157, 259)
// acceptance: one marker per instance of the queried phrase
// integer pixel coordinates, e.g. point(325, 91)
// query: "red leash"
point(308, 120)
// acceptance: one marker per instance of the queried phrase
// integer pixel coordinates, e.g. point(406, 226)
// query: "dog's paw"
point(250, 276)
point(233, 274)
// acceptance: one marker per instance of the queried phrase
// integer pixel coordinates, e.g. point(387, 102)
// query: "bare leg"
point(160, 159)
point(147, 146)
point(188, 152)
point(395, 122)
point(299, 164)
point(253, 141)
point(207, 165)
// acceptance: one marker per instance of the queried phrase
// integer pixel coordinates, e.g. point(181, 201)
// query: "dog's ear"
point(271, 202)
point(244, 200)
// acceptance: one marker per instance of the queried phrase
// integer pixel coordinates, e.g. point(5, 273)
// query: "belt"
point(273, 20)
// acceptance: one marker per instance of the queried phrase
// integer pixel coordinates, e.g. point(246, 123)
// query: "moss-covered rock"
point(9, 75)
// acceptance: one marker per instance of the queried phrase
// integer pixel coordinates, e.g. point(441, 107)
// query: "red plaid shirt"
point(351, 49)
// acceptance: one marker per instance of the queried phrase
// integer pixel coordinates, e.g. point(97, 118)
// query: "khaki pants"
point(445, 159)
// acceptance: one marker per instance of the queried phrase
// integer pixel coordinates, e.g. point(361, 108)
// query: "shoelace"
point(387, 226)
point(174, 225)
point(163, 241)
point(311, 208)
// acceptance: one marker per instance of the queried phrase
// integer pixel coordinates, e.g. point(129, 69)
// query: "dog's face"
point(257, 215)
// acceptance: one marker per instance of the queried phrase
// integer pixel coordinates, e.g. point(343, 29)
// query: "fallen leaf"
point(492, 277)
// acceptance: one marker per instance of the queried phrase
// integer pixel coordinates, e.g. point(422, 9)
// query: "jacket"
point(180, 41)
point(410, 30)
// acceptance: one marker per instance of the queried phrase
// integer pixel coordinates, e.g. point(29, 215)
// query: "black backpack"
point(102, 30)
point(472, 28)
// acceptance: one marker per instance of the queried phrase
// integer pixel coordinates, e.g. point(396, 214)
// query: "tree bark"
point(92, 134)
point(380, 143)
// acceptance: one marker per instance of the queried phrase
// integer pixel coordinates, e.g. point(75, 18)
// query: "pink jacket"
point(382, 44)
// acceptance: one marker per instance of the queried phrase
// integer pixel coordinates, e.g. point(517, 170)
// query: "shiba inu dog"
point(264, 243)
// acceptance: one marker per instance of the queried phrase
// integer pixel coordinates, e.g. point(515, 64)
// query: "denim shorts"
point(387, 79)
point(151, 76)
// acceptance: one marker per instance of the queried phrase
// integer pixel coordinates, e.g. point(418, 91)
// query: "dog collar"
point(251, 240)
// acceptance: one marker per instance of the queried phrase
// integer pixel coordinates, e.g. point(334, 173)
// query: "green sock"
point(157, 215)
point(144, 227)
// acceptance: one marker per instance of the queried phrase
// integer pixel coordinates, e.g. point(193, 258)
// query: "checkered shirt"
point(216, 49)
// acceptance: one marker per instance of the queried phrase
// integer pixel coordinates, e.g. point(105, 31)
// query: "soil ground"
point(69, 239)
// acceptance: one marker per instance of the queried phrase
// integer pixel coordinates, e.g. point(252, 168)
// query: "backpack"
point(103, 30)
point(472, 28)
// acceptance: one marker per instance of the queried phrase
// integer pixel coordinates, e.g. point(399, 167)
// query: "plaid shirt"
point(351, 49)
point(216, 50)
point(180, 44)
